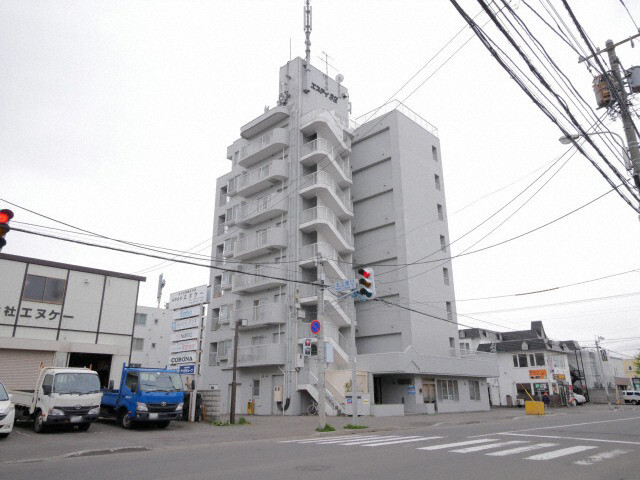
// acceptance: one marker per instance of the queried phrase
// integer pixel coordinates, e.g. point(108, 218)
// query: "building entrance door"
point(428, 391)
point(99, 362)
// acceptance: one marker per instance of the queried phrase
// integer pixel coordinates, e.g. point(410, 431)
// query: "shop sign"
point(537, 374)
point(183, 335)
point(187, 312)
point(187, 346)
point(559, 376)
point(188, 297)
point(184, 324)
point(189, 357)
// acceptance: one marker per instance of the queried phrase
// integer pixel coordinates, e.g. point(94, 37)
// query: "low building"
point(529, 363)
point(55, 314)
point(151, 337)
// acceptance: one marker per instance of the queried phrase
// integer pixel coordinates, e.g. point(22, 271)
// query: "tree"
point(637, 363)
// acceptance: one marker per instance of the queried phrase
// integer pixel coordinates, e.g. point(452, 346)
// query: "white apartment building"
point(55, 314)
point(151, 337)
point(303, 180)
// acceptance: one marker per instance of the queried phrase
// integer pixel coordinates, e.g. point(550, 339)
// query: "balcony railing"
point(258, 179)
point(267, 354)
point(217, 291)
point(310, 252)
point(272, 238)
point(259, 315)
point(322, 146)
point(326, 214)
point(262, 209)
point(326, 180)
point(263, 147)
point(250, 282)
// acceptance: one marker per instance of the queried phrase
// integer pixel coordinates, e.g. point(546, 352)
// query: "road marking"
point(598, 457)
point(405, 440)
point(478, 448)
point(559, 453)
point(556, 426)
point(458, 444)
point(371, 440)
point(570, 438)
point(364, 437)
point(20, 433)
point(320, 438)
point(526, 448)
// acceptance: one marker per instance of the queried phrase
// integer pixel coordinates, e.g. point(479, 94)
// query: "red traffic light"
point(5, 215)
point(365, 272)
point(307, 342)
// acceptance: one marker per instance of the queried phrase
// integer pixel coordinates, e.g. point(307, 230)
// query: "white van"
point(631, 396)
point(7, 413)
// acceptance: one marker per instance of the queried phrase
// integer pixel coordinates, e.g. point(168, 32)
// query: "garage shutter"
point(19, 369)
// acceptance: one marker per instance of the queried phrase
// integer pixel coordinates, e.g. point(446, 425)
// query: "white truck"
point(61, 396)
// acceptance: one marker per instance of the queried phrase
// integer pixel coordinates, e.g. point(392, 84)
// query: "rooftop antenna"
point(307, 31)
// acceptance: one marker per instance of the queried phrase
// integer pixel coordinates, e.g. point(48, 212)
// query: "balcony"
point(249, 282)
point(257, 355)
point(340, 311)
point(258, 179)
point(263, 242)
point(322, 219)
point(262, 315)
point(322, 185)
point(265, 121)
point(335, 266)
point(322, 153)
point(262, 209)
point(329, 125)
point(265, 146)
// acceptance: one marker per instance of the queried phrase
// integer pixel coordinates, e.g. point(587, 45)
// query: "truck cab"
point(148, 395)
point(61, 396)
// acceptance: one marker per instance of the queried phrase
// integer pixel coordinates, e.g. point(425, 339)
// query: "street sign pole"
point(322, 398)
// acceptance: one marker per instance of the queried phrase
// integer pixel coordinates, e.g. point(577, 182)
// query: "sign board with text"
point(178, 358)
point(537, 374)
point(188, 346)
point(187, 312)
point(188, 297)
point(182, 335)
point(184, 324)
point(187, 369)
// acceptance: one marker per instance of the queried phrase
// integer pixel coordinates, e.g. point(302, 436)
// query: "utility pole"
point(605, 379)
point(354, 376)
point(322, 397)
point(627, 122)
point(232, 410)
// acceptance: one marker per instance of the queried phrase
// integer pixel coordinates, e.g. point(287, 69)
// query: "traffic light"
point(306, 347)
point(367, 283)
point(603, 354)
point(5, 216)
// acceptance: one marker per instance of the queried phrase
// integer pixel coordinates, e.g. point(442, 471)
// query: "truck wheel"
point(125, 420)
point(4, 435)
point(83, 427)
point(38, 423)
point(163, 424)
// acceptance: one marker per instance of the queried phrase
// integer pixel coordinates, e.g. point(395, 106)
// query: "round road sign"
point(315, 327)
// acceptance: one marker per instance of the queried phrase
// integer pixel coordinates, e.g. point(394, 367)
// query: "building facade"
point(55, 314)
point(529, 363)
point(304, 179)
point(151, 337)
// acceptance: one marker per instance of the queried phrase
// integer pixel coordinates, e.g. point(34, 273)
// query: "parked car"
point(61, 396)
point(7, 413)
point(580, 399)
point(631, 396)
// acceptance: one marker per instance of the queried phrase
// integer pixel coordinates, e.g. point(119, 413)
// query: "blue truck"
point(148, 395)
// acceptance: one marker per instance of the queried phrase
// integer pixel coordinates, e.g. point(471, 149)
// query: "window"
point(224, 313)
point(515, 361)
point(258, 340)
point(449, 311)
point(224, 348)
point(522, 360)
point(447, 390)
point(213, 354)
point(131, 379)
point(445, 275)
point(156, 321)
point(138, 344)
point(48, 381)
point(474, 390)
point(452, 342)
point(440, 212)
point(153, 345)
point(443, 243)
point(141, 319)
point(44, 289)
point(255, 390)
point(437, 180)
point(434, 153)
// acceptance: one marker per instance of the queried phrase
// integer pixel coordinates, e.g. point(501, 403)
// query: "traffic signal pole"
point(234, 384)
point(605, 379)
point(322, 397)
point(627, 122)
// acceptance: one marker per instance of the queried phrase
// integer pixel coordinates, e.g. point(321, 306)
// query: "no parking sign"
point(315, 327)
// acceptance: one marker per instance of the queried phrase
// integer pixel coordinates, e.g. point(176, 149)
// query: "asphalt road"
point(587, 444)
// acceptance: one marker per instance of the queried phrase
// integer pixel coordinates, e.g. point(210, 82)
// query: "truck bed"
point(23, 398)
point(110, 397)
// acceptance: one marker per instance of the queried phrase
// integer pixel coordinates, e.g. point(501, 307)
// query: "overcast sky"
point(115, 117)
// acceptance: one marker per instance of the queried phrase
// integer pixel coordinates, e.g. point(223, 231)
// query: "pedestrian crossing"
point(490, 447)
